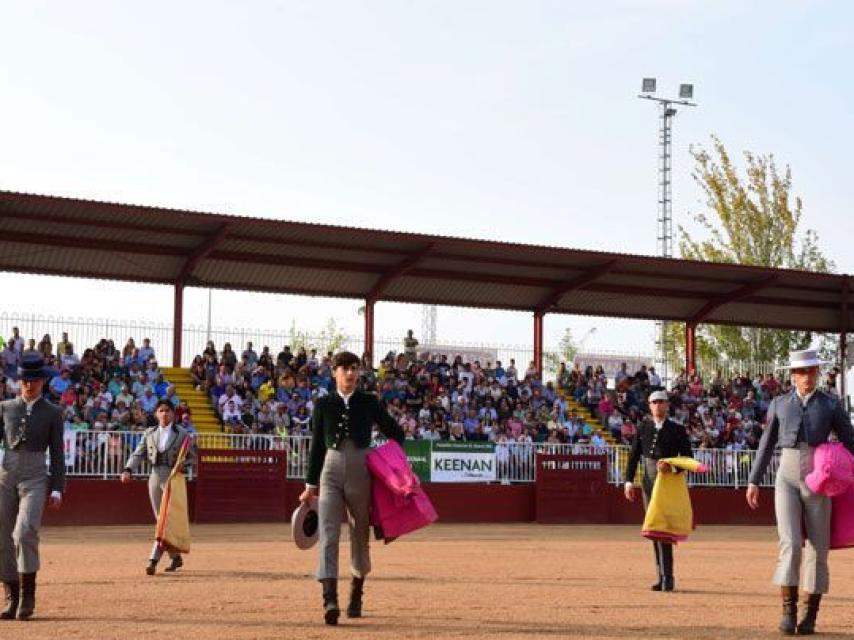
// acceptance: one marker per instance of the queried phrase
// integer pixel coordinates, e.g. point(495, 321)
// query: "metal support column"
point(538, 342)
point(178, 323)
point(369, 330)
point(690, 349)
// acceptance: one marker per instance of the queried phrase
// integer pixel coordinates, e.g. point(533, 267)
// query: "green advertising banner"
point(418, 455)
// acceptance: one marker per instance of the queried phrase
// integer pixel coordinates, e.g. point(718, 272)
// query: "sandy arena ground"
point(450, 581)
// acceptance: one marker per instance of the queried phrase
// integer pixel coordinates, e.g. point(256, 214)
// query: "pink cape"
point(833, 470)
point(398, 502)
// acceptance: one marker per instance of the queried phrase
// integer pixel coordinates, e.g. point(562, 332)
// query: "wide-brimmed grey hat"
point(803, 359)
point(658, 395)
point(305, 524)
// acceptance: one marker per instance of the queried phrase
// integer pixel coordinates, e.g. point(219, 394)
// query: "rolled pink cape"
point(398, 502)
point(833, 470)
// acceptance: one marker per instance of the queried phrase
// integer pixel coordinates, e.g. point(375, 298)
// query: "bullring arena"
point(448, 581)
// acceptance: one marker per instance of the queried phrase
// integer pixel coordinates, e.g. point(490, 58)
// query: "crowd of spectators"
point(435, 398)
point(430, 396)
point(104, 389)
point(721, 413)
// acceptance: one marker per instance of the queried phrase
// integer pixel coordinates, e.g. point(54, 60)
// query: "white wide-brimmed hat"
point(305, 524)
point(803, 359)
point(658, 395)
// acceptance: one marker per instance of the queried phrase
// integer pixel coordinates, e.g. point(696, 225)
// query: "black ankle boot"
point(806, 627)
point(790, 610)
point(668, 583)
point(28, 596)
point(13, 594)
point(354, 608)
point(151, 569)
point(331, 612)
point(177, 563)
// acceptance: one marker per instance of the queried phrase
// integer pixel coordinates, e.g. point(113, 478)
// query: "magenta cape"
point(398, 502)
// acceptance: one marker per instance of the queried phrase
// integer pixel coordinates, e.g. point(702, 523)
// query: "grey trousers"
point(156, 487)
point(23, 491)
point(345, 480)
point(795, 506)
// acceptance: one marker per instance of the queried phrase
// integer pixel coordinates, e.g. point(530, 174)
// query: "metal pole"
point(177, 323)
point(538, 342)
point(690, 349)
point(209, 315)
point(369, 331)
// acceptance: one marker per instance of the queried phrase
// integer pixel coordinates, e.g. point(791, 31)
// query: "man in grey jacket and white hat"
point(797, 422)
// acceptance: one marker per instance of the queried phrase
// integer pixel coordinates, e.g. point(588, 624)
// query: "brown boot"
point(28, 596)
point(354, 608)
point(806, 627)
point(788, 623)
point(13, 593)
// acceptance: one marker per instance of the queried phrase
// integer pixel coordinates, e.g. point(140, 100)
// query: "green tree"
point(565, 353)
point(751, 220)
point(330, 338)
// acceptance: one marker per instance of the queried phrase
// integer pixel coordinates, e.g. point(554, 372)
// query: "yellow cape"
point(173, 520)
point(669, 516)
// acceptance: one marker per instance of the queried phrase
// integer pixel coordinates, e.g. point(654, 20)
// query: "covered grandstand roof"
point(83, 238)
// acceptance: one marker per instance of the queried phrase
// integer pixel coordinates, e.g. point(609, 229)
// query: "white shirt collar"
point(658, 425)
point(346, 397)
point(30, 403)
point(805, 399)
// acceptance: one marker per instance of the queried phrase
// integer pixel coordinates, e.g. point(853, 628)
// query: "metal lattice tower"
point(428, 324)
point(665, 200)
point(664, 227)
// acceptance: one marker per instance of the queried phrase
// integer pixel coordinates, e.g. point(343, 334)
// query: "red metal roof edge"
point(219, 218)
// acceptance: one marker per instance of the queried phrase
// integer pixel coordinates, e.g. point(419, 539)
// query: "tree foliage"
point(330, 338)
point(565, 353)
point(753, 220)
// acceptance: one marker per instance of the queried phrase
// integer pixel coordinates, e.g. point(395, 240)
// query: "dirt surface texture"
point(448, 581)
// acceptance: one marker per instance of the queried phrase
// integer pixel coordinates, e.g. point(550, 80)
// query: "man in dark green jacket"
point(341, 434)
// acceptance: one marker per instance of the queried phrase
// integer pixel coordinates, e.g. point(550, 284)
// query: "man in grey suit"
point(797, 422)
point(161, 446)
point(30, 426)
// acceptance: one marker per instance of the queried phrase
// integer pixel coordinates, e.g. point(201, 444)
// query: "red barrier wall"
point(105, 502)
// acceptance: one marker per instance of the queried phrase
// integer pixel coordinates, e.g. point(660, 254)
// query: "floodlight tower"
point(664, 226)
point(429, 315)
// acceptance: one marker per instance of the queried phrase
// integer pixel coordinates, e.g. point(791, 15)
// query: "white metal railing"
point(102, 454)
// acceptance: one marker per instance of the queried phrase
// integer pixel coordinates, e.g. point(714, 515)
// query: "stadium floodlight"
point(648, 85)
point(686, 91)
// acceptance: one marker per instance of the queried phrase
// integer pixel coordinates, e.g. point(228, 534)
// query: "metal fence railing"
point(102, 454)
point(87, 332)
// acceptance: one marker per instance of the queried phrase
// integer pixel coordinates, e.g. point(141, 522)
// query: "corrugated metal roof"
point(72, 237)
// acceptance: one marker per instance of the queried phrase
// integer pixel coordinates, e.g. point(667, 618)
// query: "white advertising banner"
point(462, 462)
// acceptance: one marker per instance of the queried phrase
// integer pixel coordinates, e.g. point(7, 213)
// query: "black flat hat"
point(32, 366)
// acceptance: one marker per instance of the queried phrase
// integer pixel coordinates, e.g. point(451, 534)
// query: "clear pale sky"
point(493, 119)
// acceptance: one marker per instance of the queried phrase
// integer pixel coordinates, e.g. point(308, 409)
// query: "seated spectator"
point(301, 422)
point(231, 414)
point(148, 401)
point(146, 352)
point(59, 384)
point(69, 359)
